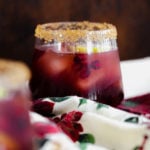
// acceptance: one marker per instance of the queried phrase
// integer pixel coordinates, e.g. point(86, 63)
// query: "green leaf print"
point(87, 138)
point(132, 120)
point(137, 148)
point(82, 101)
point(130, 104)
point(100, 105)
point(59, 99)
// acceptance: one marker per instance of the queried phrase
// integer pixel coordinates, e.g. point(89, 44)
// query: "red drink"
point(15, 131)
point(87, 69)
point(15, 128)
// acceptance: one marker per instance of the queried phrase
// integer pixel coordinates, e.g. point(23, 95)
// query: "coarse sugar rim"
point(74, 31)
point(14, 73)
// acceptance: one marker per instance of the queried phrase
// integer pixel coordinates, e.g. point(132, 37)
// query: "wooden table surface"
point(19, 18)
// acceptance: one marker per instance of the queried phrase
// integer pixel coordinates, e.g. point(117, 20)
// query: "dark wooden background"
point(19, 18)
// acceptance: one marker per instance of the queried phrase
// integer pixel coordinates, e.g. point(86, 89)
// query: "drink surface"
point(58, 73)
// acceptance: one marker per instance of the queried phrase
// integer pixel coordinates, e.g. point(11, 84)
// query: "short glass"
point(77, 58)
point(15, 127)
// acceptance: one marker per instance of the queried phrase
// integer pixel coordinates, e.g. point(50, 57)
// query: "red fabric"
point(139, 104)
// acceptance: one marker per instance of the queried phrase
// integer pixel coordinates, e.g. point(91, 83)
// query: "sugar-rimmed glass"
point(15, 98)
point(77, 58)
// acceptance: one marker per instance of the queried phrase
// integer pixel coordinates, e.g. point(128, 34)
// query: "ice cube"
point(52, 64)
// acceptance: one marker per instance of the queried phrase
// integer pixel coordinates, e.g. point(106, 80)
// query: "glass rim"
point(74, 31)
point(13, 74)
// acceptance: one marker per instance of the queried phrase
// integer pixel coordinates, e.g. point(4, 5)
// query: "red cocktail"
point(15, 128)
point(77, 59)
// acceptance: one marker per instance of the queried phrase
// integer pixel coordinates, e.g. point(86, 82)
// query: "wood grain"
point(19, 18)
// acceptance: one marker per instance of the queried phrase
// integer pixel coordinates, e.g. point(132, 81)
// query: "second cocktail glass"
point(15, 128)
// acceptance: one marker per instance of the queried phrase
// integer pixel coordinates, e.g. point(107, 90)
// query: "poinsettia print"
point(41, 128)
point(44, 108)
point(69, 124)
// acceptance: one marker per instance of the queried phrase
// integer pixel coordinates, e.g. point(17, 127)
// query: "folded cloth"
point(138, 104)
point(89, 123)
point(136, 82)
point(136, 77)
point(48, 136)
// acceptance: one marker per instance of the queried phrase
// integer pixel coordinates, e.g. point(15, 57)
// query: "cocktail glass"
point(77, 58)
point(15, 128)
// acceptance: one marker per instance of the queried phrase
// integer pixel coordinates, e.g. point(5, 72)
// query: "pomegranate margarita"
point(77, 58)
point(15, 128)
